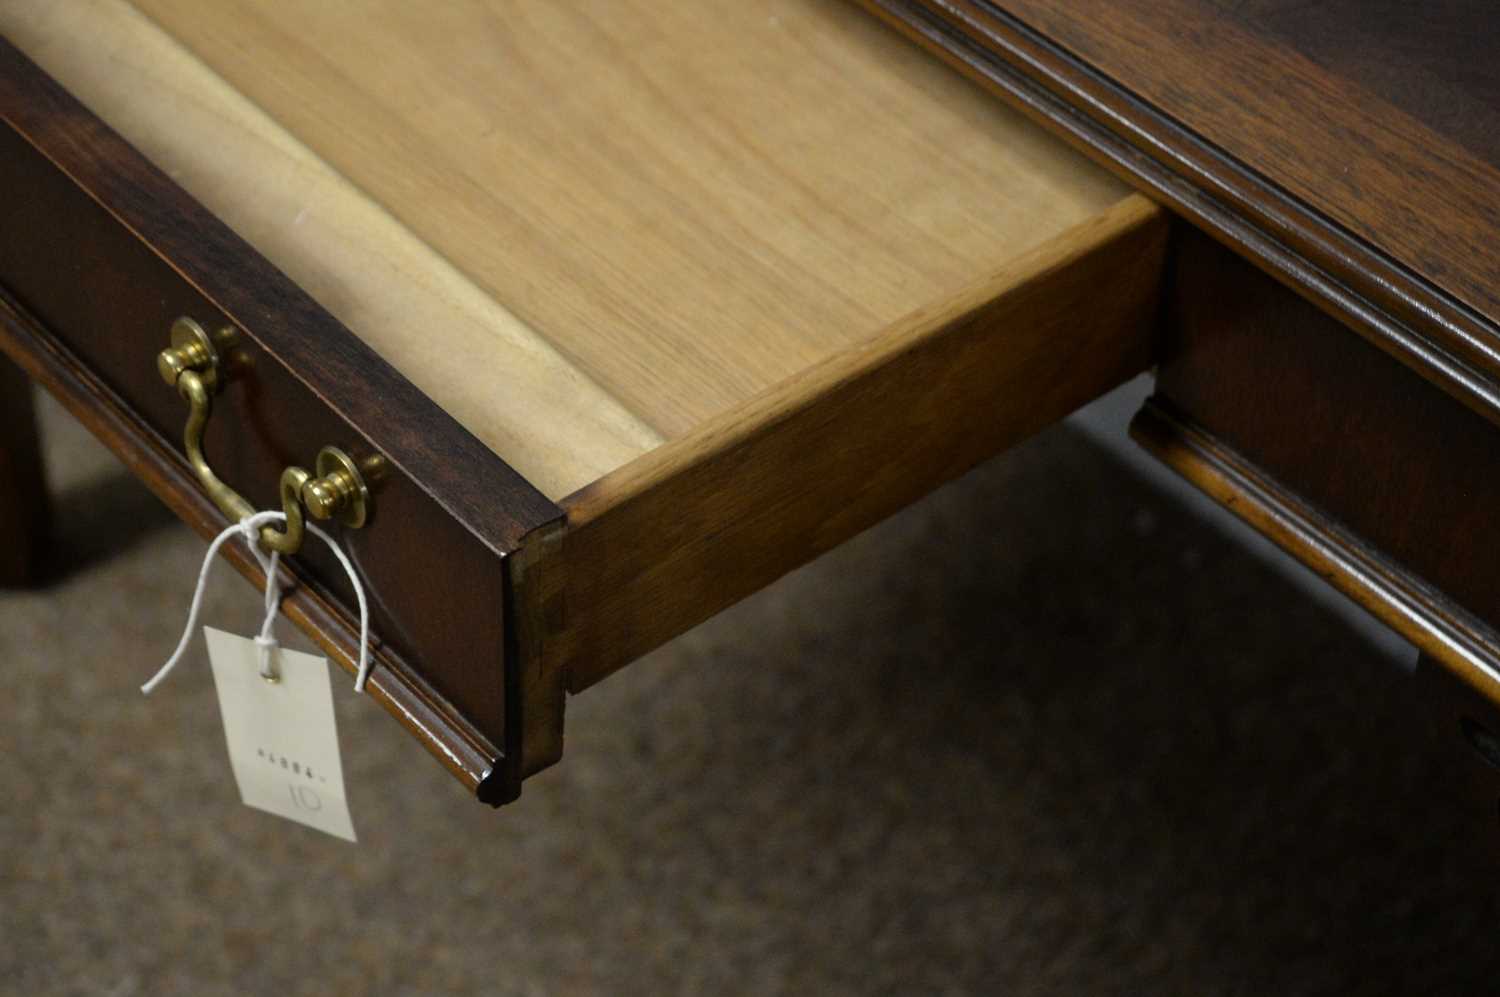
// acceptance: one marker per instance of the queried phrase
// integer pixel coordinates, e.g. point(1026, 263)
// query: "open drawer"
point(635, 307)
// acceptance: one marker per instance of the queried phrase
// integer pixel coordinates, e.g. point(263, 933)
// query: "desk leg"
point(23, 489)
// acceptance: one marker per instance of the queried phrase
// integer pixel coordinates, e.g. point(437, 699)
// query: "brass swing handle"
point(193, 364)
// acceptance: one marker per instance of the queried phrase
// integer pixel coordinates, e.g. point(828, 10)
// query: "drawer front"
point(1381, 481)
point(102, 253)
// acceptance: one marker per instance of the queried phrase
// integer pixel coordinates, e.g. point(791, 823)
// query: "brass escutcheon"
point(195, 365)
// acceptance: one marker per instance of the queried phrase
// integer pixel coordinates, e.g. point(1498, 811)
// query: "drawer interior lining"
point(692, 202)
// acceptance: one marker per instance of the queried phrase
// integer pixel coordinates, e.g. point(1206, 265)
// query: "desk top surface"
point(1349, 147)
point(1383, 115)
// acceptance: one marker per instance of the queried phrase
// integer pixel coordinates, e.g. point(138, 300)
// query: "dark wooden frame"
point(91, 201)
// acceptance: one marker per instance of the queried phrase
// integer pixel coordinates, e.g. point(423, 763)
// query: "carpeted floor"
point(1042, 733)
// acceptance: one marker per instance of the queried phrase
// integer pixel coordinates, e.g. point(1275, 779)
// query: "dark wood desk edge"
point(1423, 615)
point(1442, 339)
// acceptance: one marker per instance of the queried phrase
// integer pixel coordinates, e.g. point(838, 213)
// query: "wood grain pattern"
point(1249, 209)
point(1432, 60)
point(23, 486)
point(697, 524)
point(1390, 178)
point(691, 201)
point(551, 423)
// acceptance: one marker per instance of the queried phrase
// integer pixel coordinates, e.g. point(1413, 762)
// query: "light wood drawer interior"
point(726, 280)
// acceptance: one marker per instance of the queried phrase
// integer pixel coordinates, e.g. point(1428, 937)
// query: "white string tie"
point(249, 530)
point(265, 641)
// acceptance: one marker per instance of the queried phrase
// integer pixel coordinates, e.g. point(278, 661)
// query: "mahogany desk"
point(621, 311)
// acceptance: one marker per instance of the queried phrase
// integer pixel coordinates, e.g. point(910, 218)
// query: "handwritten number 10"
point(305, 798)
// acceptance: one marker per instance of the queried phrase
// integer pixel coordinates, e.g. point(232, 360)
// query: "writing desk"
point(619, 314)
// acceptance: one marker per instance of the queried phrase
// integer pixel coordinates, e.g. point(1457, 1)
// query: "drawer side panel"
point(686, 531)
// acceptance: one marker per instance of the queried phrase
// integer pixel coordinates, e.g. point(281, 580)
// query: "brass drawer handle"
point(193, 365)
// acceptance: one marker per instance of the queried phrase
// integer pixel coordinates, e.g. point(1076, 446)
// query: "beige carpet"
point(1042, 733)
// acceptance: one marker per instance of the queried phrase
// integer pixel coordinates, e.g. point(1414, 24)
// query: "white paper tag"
point(283, 743)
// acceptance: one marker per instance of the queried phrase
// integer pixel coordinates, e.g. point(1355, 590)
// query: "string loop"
point(248, 529)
